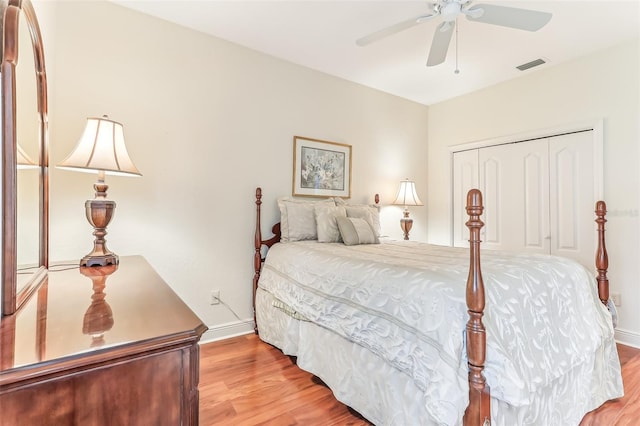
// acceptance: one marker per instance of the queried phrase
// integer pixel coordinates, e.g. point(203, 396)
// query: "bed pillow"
point(369, 212)
point(355, 230)
point(327, 226)
point(297, 219)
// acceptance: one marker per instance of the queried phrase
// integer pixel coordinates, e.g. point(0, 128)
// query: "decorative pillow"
point(339, 201)
point(355, 230)
point(370, 213)
point(297, 219)
point(326, 214)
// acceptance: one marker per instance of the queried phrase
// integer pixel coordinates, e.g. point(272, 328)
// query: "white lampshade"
point(407, 195)
point(101, 148)
point(23, 160)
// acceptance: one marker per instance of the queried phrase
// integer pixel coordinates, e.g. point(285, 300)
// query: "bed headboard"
point(258, 259)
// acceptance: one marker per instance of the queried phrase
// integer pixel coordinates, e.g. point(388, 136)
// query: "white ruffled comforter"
point(404, 301)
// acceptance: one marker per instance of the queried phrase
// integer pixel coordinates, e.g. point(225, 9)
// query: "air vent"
point(531, 64)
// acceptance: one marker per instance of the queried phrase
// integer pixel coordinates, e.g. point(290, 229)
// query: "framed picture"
point(321, 168)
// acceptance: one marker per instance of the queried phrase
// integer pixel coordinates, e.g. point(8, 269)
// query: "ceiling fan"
point(450, 10)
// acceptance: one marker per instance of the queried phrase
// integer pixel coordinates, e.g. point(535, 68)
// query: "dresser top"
point(91, 314)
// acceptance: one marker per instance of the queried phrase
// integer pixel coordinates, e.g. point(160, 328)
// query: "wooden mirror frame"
point(12, 297)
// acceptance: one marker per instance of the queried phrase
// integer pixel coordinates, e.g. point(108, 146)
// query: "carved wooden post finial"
point(478, 412)
point(257, 257)
point(602, 259)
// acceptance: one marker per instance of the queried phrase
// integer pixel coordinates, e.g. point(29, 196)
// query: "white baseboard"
point(628, 338)
point(225, 331)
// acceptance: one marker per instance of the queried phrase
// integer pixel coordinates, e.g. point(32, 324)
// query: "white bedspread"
point(404, 301)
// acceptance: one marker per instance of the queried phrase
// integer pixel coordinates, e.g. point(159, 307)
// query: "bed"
point(400, 332)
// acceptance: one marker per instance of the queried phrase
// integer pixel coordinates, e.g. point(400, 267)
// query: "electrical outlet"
point(617, 299)
point(215, 297)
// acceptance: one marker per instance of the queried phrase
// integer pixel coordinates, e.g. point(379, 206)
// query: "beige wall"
point(606, 86)
point(206, 121)
point(203, 117)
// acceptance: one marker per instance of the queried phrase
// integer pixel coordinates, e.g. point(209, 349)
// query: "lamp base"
point(99, 213)
point(406, 223)
point(93, 259)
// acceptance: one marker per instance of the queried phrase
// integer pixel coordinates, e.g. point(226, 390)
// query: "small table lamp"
point(407, 196)
point(101, 149)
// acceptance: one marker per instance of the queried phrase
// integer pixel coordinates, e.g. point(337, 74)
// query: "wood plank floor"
point(244, 381)
point(626, 410)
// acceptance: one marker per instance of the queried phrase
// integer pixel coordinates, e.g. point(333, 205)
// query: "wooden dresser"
point(101, 346)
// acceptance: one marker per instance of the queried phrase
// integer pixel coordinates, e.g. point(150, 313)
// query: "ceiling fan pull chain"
point(457, 70)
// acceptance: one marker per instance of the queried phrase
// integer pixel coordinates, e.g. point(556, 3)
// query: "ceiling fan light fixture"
point(450, 11)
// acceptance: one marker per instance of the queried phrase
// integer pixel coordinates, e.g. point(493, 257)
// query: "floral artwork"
point(321, 168)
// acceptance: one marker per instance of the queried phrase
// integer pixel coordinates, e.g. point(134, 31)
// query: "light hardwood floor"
point(244, 381)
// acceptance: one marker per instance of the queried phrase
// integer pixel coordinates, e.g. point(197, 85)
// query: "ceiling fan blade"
point(440, 44)
point(512, 17)
point(396, 28)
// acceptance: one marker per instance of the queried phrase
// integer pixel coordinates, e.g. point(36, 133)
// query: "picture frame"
point(321, 168)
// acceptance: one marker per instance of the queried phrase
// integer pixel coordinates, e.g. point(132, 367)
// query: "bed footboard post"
point(602, 259)
point(257, 256)
point(478, 413)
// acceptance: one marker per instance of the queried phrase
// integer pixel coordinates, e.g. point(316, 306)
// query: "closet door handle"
point(548, 237)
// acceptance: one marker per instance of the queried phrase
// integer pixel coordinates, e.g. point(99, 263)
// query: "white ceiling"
point(321, 35)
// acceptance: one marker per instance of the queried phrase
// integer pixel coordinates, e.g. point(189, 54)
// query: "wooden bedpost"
point(257, 256)
point(602, 259)
point(478, 412)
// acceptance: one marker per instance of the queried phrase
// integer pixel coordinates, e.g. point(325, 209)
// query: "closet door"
point(572, 194)
point(465, 177)
point(514, 179)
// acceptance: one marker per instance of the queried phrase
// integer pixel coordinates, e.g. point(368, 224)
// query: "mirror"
point(27, 178)
point(24, 131)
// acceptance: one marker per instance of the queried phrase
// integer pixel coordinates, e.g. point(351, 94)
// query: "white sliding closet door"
point(538, 195)
point(571, 161)
point(514, 180)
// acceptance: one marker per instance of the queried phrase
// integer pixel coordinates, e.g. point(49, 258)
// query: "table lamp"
point(101, 149)
point(406, 197)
